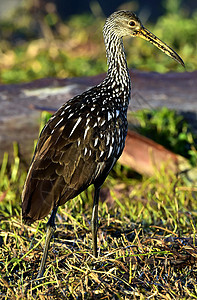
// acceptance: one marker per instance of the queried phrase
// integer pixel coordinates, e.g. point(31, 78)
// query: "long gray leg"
point(49, 233)
point(94, 222)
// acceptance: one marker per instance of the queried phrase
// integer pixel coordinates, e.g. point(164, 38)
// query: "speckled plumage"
point(83, 140)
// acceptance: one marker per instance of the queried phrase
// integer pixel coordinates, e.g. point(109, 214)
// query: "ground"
point(146, 240)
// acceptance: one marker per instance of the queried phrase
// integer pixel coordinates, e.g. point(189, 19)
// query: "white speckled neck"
point(118, 74)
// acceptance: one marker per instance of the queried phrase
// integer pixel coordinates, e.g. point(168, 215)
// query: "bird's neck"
point(118, 73)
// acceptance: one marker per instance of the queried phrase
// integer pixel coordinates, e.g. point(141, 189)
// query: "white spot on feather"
point(109, 116)
point(70, 115)
point(66, 107)
point(85, 151)
point(108, 140)
point(117, 113)
point(88, 120)
point(75, 126)
point(95, 142)
point(110, 151)
point(101, 154)
point(86, 131)
point(103, 122)
point(59, 122)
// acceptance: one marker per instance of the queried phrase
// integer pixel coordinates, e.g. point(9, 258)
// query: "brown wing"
point(72, 152)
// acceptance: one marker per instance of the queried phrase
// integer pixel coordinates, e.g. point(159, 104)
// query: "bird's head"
point(126, 23)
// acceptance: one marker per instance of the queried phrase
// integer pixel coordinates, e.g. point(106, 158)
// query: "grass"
point(167, 128)
point(146, 239)
point(147, 226)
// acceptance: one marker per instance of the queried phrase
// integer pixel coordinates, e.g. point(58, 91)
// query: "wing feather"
point(74, 150)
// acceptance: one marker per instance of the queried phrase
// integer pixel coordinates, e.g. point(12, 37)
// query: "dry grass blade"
point(147, 243)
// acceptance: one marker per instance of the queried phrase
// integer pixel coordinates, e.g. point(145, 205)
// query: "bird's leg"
point(49, 233)
point(94, 222)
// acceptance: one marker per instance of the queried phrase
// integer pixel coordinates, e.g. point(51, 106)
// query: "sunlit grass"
point(146, 236)
point(146, 240)
point(147, 226)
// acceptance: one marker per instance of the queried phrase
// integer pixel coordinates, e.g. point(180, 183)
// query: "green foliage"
point(49, 47)
point(172, 6)
point(142, 217)
point(180, 31)
point(43, 65)
point(169, 129)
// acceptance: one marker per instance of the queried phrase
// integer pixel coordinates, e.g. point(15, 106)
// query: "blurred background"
point(40, 38)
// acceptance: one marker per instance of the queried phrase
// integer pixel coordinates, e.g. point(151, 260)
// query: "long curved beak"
point(150, 37)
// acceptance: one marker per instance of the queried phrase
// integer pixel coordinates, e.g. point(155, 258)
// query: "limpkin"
point(82, 141)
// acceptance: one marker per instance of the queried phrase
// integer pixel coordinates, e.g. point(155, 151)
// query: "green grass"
point(167, 128)
point(146, 240)
point(147, 226)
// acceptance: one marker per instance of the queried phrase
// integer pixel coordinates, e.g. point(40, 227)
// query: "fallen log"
point(19, 120)
point(148, 158)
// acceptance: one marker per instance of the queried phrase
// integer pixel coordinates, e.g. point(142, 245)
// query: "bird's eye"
point(132, 23)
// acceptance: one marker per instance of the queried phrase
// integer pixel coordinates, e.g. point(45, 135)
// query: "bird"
point(82, 141)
